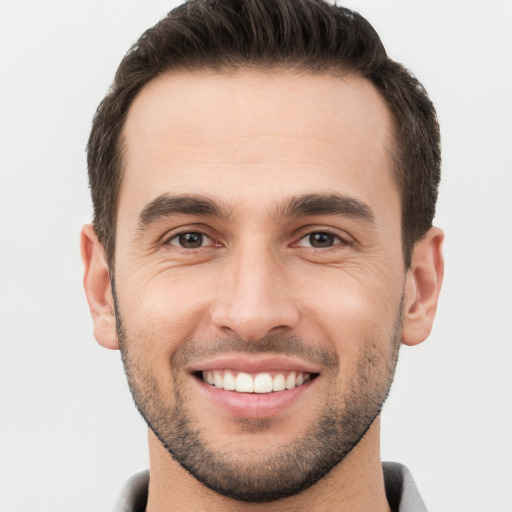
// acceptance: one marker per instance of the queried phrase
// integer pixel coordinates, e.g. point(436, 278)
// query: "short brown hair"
point(308, 35)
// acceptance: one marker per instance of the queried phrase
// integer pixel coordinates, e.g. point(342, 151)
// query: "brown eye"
point(321, 240)
point(190, 240)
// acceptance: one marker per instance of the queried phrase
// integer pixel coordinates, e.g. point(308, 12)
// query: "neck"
point(356, 484)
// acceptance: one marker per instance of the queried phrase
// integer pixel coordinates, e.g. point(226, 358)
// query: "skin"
point(250, 141)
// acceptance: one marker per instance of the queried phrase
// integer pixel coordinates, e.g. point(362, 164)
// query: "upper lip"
point(255, 364)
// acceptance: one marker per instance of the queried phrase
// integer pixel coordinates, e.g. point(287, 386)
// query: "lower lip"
point(254, 405)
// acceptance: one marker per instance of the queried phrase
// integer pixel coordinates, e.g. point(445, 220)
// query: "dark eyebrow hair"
point(166, 205)
point(297, 206)
point(326, 204)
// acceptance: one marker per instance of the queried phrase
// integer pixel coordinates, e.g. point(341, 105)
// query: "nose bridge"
point(253, 298)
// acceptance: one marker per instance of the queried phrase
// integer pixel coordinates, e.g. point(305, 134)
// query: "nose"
point(254, 297)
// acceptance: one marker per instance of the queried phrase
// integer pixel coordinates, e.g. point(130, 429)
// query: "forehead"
point(221, 132)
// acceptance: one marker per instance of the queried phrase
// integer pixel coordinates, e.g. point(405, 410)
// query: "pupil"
point(191, 240)
point(321, 240)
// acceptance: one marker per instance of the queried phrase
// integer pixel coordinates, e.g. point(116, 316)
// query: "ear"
point(423, 284)
point(98, 288)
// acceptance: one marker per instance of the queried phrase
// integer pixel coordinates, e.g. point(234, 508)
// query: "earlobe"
point(98, 288)
point(423, 284)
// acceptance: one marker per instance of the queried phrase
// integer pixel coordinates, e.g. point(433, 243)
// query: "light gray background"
point(69, 434)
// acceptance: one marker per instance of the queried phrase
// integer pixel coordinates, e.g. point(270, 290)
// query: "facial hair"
point(262, 477)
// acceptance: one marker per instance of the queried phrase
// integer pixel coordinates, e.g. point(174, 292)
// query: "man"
point(264, 181)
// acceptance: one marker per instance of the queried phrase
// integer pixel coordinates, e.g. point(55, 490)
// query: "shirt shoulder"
point(134, 495)
point(401, 490)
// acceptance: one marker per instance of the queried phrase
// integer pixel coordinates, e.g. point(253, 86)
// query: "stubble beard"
point(258, 476)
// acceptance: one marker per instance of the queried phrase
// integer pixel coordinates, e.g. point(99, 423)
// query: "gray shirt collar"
point(401, 491)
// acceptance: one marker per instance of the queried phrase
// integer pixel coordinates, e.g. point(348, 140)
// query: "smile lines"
point(265, 382)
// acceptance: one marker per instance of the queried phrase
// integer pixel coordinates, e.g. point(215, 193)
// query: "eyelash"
point(338, 240)
point(176, 236)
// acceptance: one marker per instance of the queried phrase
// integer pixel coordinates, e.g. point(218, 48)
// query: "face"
point(258, 273)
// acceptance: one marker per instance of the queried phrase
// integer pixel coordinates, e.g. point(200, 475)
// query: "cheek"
point(164, 308)
point(353, 310)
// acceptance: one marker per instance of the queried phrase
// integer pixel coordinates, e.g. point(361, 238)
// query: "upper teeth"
point(257, 383)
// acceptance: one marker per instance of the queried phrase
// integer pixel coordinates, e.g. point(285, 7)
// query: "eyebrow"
point(297, 206)
point(326, 204)
point(167, 205)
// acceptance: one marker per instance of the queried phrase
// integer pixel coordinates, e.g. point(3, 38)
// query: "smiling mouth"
point(263, 382)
